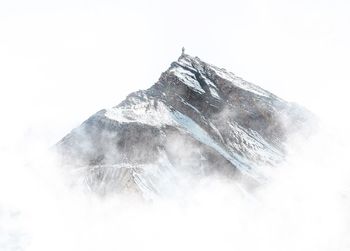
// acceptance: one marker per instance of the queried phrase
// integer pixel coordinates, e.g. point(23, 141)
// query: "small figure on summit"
point(183, 51)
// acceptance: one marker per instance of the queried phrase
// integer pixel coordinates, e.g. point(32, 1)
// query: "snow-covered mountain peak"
point(196, 73)
point(197, 119)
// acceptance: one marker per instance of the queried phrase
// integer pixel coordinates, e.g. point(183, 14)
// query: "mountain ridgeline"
point(198, 120)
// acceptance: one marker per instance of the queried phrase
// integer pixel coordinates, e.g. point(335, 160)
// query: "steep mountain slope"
point(197, 120)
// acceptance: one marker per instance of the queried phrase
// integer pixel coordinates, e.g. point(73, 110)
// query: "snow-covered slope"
point(198, 119)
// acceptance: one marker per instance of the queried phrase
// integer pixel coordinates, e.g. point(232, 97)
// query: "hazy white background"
point(61, 61)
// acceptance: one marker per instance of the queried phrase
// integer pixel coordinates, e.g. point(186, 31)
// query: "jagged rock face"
point(197, 119)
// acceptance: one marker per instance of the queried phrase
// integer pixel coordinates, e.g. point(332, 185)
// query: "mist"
point(304, 206)
point(62, 61)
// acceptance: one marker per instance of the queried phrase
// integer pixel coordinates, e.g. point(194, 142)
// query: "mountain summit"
point(197, 120)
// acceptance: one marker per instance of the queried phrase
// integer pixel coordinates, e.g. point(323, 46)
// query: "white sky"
point(61, 61)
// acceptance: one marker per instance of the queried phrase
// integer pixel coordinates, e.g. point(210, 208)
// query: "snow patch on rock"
point(148, 112)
